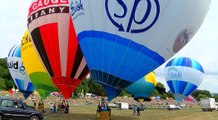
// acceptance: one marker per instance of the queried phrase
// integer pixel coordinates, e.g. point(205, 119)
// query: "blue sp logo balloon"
point(142, 22)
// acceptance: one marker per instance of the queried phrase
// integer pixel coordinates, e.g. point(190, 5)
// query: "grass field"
point(89, 113)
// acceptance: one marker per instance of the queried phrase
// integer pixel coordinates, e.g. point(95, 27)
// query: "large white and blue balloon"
point(18, 72)
point(183, 76)
point(123, 40)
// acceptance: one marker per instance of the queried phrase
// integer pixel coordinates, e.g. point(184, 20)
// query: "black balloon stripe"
point(84, 72)
point(37, 39)
point(77, 61)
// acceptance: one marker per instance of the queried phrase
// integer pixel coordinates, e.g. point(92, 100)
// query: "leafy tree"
point(9, 84)
point(6, 80)
point(197, 94)
point(201, 96)
point(88, 85)
point(216, 98)
point(170, 95)
point(155, 93)
point(163, 96)
point(160, 88)
point(2, 84)
point(124, 93)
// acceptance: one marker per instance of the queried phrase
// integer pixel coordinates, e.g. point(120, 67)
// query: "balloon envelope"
point(144, 87)
point(190, 99)
point(52, 32)
point(123, 40)
point(183, 76)
point(40, 78)
point(18, 72)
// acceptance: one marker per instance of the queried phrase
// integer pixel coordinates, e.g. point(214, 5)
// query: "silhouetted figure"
point(138, 111)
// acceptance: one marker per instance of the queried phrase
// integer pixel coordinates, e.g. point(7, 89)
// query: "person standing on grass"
point(134, 110)
point(51, 108)
point(138, 111)
point(54, 108)
point(99, 109)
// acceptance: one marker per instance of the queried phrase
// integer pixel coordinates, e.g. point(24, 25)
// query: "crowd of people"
point(62, 107)
point(57, 105)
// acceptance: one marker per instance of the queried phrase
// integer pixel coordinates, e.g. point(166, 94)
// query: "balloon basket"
point(103, 115)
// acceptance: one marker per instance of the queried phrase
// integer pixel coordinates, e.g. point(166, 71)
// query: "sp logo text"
point(133, 16)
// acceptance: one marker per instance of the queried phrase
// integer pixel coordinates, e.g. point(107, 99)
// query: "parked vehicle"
point(14, 109)
point(112, 105)
point(141, 107)
point(173, 107)
point(123, 105)
point(208, 104)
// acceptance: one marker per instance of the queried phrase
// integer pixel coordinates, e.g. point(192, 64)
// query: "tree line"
point(89, 86)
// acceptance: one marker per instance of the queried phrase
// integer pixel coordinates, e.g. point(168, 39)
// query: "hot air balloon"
point(183, 76)
point(52, 33)
point(142, 88)
point(40, 78)
point(190, 99)
point(123, 40)
point(18, 72)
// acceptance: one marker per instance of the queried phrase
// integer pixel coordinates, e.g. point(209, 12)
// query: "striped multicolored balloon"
point(51, 29)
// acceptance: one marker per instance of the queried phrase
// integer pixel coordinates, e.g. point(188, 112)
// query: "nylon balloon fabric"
point(183, 76)
point(35, 70)
point(143, 88)
point(18, 72)
point(52, 32)
point(123, 40)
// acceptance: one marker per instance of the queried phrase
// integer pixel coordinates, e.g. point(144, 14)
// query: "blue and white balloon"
point(183, 76)
point(18, 73)
point(123, 40)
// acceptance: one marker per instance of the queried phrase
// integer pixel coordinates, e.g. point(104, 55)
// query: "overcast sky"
point(203, 47)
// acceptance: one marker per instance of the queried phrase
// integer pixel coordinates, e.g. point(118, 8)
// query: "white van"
point(208, 104)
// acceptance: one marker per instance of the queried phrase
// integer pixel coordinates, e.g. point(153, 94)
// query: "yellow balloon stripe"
point(35, 70)
point(29, 56)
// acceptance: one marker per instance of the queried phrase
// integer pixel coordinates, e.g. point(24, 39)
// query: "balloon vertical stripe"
point(38, 75)
point(37, 39)
point(84, 72)
point(50, 37)
point(186, 62)
point(77, 61)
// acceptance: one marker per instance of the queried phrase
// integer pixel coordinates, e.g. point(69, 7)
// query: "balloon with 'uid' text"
point(18, 72)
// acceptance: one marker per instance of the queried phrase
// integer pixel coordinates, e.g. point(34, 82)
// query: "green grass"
point(89, 113)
